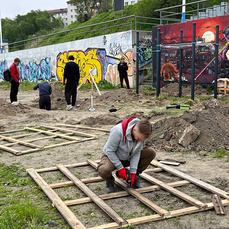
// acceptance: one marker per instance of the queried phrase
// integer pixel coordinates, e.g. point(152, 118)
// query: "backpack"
point(7, 75)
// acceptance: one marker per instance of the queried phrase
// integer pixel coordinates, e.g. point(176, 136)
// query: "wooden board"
point(123, 193)
point(174, 191)
point(56, 201)
point(119, 222)
point(53, 132)
point(96, 199)
point(193, 180)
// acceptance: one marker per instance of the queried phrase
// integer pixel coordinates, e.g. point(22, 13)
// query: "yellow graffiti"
point(85, 62)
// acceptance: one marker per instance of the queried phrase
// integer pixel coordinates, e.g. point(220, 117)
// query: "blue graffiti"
point(32, 71)
point(3, 67)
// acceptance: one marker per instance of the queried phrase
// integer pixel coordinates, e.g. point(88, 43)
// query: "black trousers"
point(14, 91)
point(126, 80)
point(70, 93)
point(45, 102)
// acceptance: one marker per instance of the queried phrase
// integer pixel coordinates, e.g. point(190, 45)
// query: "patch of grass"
point(5, 85)
point(161, 97)
point(210, 89)
point(224, 99)
point(175, 112)
point(88, 155)
point(12, 176)
point(103, 84)
point(175, 100)
point(149, 89)
point(204, 97)
point(220, 153)
point(24, 214)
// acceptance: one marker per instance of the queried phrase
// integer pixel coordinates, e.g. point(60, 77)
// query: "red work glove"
point(122, 174)
point(132, 177)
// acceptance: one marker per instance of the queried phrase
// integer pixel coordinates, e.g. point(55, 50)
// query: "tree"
point(30, 24)
point(87, 8)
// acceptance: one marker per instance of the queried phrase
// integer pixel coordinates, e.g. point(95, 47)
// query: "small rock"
point(189, 135)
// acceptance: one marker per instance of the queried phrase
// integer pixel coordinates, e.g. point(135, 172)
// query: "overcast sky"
point(11, 8)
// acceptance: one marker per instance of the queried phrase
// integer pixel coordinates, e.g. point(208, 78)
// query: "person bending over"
point(124, 148)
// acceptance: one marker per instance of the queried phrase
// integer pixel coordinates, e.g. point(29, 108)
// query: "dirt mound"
point(172, 89)
point(7, 108)
point(109, 98)
point(110, 119)
point(57, 98)
point(212, 125)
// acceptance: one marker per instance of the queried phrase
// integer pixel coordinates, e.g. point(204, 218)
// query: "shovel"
point(181, 107)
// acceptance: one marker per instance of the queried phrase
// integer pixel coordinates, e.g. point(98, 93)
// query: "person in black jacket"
point(122, 68)
point(45, 90)
point(72, 74)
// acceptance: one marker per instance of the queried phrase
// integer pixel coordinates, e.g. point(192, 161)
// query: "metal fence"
point(116, 25)
point(169, 14)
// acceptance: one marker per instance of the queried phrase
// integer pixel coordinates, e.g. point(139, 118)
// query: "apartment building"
point(63, 13)
point(130, 2)
point(68, 14)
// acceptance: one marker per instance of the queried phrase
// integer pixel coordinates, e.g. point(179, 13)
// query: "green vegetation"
point(24, 86)
point(221, 153)
point(22, 204)
point(33, 23)
point(27, 215)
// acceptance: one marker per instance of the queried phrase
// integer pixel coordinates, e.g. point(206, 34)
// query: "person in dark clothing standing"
point(15, 81)
point(122, 68)
point(72, 74)
point(45, 90)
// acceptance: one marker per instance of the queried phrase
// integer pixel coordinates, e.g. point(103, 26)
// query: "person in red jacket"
point(15, 81)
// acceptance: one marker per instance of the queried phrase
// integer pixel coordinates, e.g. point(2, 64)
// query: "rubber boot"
point(137, 183)
point(110, 185)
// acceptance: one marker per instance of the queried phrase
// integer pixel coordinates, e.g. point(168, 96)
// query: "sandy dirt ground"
point(200, 163)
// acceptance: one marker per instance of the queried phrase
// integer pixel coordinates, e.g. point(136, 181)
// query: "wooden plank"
point(162, 212)
point(174, 191)
point(68, 166)
point(82, 127)
point(95, 84)
point(193, 180)
point(69, 183)
point(122, 193)
point(56, 201)
point(85, 78)
point(11, 131)
point(71, 131)
point(97, 179)
point(14, 151)
point(51, 133)
point(96, 199)
point(85, 164)
point(153, 218)
point(20, 142)
point(35, 139)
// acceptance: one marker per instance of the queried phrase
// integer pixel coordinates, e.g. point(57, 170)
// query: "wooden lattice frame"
point(119, 222)
point(52, 132)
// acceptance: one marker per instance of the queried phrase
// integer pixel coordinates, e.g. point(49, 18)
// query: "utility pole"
point(1, 31)
point(183, 10)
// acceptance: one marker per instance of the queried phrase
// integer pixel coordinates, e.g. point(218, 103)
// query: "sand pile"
point(207, 130)
point(7, 109)
point(172, 89)
point(109, 98)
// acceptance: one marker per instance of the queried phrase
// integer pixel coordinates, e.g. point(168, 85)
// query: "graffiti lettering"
point(115, 49)
point(86, 61)
point(32, 71)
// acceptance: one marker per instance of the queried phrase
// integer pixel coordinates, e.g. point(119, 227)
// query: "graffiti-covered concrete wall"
point(102, 53)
